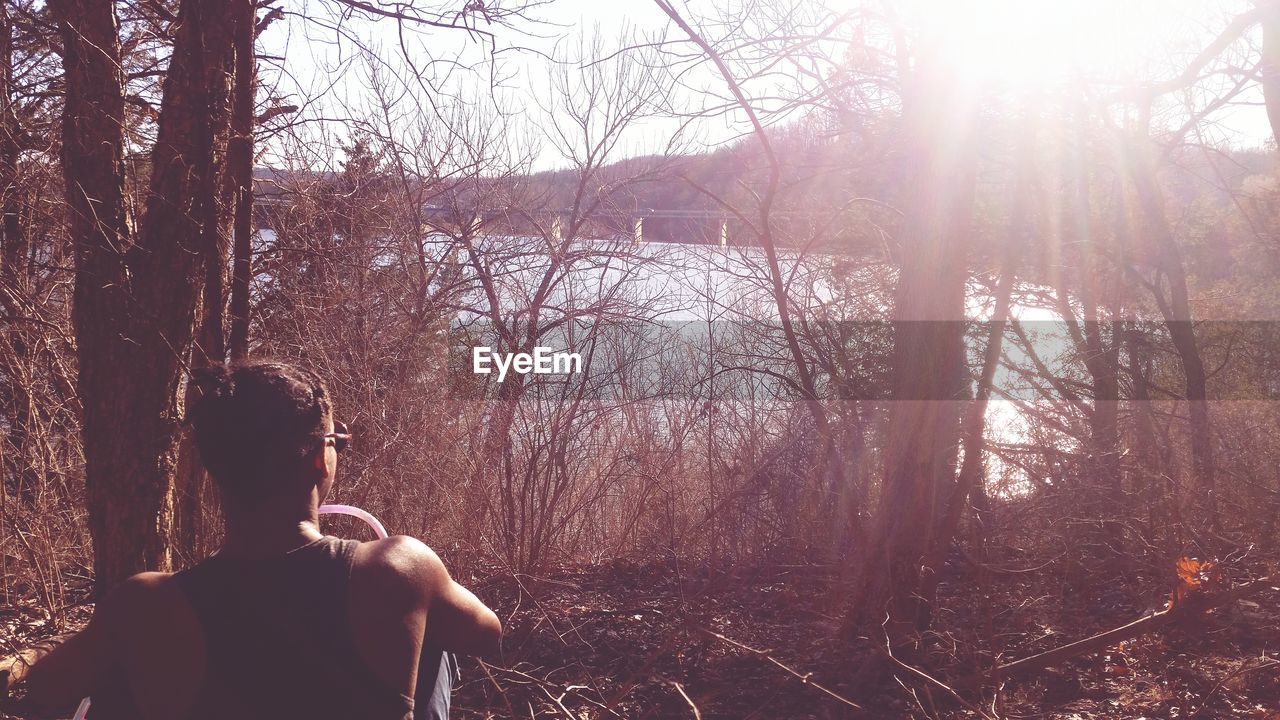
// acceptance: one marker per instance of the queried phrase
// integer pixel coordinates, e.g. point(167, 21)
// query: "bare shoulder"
point(144, 586)
point(127, 625)
point(141, 596)
point(402, 567)
point(148, 604)
point(401, 563)
point(160, 642)
point(144, 583)
point(389, 597)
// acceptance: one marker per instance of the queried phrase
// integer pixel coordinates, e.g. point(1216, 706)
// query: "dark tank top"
point(279, 643)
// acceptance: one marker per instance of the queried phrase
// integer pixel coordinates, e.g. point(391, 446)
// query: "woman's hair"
point(256, 422)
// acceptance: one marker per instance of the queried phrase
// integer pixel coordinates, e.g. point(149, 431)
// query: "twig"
point(602, 706)
point(1134, 629)
point(929, 679)
point(543, 684)
point(559, 702)
point(696, 715)
point(485, 667)
point(806, 678)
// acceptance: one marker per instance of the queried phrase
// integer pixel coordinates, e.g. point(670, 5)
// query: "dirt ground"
point(661, 641)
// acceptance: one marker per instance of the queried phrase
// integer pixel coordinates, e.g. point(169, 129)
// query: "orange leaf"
point(1189, 570)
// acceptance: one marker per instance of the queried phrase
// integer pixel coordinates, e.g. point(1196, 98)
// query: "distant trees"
point(40, 450)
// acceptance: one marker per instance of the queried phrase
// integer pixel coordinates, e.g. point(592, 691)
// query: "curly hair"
point(255, 422)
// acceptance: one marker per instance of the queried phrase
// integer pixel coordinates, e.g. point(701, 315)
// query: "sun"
point(1028, 44)
point(1015, 43)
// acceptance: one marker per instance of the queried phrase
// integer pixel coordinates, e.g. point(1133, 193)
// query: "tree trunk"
point(240, 164)
point(1176, 310)
point(1092, 279)
point(126, 539)
point(136, 292)
point(14, 239)
point(232, 139)
point(1153, 474)
point(929, 376)
point(1271, 63)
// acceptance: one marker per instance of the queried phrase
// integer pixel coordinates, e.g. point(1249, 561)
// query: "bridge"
point(642, 225)
point(686, 227)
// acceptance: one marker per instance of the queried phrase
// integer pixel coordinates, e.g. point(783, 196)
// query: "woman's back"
point(269, 638)
point(278, 642)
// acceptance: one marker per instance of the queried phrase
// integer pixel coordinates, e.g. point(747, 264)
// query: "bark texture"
point(138, 286)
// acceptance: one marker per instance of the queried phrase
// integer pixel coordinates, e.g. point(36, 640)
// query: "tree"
point(138, 282)
point(150, 289)
point(928, 384)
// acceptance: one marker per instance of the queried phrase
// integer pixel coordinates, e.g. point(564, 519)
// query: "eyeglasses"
point(341, 436)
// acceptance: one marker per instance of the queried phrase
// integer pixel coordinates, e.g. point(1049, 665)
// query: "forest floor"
point(659, 641)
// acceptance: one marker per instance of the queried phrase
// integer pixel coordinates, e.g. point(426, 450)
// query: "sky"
point(1004, 47)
